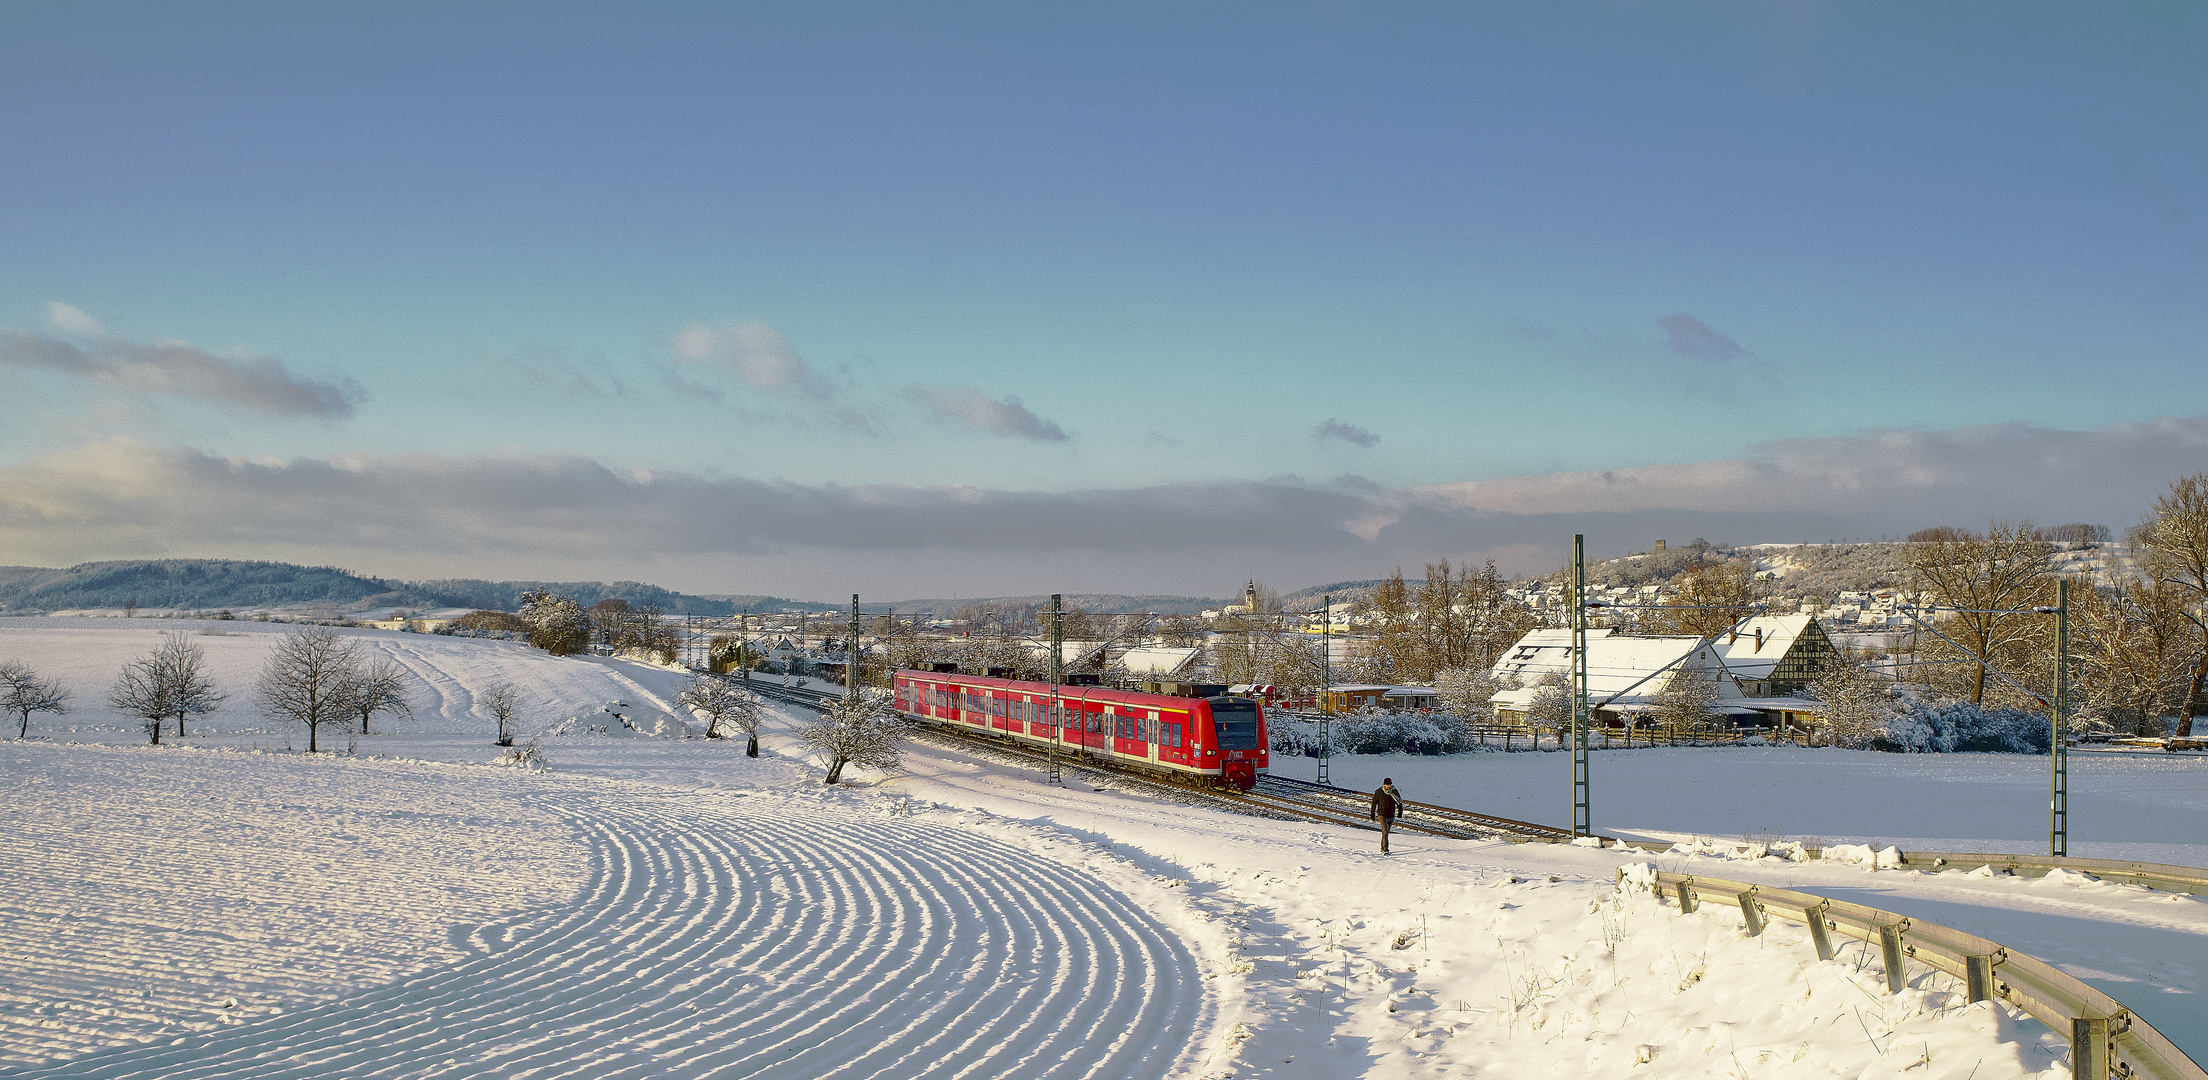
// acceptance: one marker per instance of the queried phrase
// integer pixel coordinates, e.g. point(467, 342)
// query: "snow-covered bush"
point(495, 635)
point(1961, 727)
point(1372, 731)
point(529, 755)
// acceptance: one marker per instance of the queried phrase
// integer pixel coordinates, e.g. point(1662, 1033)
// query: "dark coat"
point(1387, 802)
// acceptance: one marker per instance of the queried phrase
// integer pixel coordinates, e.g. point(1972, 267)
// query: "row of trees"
point(313, 676)
point(1457, 619)
point(2139, 642)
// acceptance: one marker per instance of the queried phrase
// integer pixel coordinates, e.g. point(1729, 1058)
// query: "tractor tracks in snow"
point(715, 940)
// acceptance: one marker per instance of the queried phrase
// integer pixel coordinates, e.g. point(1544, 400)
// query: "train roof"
point(1065, 690)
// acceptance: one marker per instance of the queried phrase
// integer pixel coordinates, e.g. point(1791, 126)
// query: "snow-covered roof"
point(1073, 652)
point(1617, 664)
point(1157, 659)
point(1754, 647)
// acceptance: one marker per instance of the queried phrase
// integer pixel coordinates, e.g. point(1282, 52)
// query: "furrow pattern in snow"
point(725, 943)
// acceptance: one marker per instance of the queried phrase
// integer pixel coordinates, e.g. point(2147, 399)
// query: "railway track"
point(1423, 817)
point(1274, 796)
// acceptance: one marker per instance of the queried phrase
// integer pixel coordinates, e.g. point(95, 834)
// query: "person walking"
point(1387, 803)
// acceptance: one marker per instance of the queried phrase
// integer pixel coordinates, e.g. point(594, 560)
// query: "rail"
point(2106, 1040)
point(1465, 824)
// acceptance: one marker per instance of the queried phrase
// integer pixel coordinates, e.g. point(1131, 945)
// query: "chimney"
point(1759, 639)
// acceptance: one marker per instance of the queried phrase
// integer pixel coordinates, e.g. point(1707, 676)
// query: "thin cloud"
point(967, 405)
point(1693, 337)
point(754, 352)
point(1336, 431)
point(174, 368)
point(69, 320)
point(548, 370)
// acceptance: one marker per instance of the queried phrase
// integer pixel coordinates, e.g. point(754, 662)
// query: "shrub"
point(491, 620)
point(1960, 727)
point(1372, 731)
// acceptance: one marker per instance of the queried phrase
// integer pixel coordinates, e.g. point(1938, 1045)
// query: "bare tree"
point(308, 679)
point(858, 730)
point(2174, 542)
point(22, 692)
point(379, 687)
point(1711, 597)
point(169, 681)
point(1993, 580)
point(1459, 617)
point(2129, 643)
point(503, 702)
point(725, 703)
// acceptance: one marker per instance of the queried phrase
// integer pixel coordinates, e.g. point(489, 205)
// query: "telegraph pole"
point(1326, 669)
point(2058, 802)
point(1581, 826)
point(851, 654)
point(1057, 675)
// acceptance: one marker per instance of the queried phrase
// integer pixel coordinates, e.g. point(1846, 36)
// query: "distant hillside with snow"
point(212, 584)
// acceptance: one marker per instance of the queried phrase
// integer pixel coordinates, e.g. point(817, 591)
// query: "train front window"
point(1235, 720)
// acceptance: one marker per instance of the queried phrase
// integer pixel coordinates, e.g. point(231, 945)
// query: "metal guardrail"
point(2106, 1040)
point(2177, 879)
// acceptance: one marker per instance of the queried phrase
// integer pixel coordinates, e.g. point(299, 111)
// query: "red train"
point(1217, 740)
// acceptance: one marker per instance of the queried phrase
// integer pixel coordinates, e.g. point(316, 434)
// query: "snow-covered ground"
point(668, 907)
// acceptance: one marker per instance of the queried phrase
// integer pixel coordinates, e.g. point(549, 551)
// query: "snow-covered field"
point(668, 907)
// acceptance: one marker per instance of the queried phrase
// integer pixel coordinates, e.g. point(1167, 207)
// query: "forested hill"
point(506, 595)
point(181, 583)
point(210, 584)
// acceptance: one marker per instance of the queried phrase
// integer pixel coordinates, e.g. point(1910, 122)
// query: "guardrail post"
point(1686, 898)
point(1819, 935)
point(1978, 973)
point(1889, 944)
point(1753, 913)
point(2089, 1056)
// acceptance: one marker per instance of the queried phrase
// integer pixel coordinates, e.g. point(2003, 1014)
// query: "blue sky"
point(841, 267)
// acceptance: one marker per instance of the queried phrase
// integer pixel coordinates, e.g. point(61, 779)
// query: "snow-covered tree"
point(309, 679)
point(1854, 708)
point(169, 681)
point(22, 692)
point(379, 687)
point(1687, 701)
point(557, 624)
point(503, 701)
point(724, 703)
point(861, 730)
point(1467, 692)
point(1551, 707)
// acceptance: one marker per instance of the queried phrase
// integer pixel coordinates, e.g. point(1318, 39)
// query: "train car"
point(1205, 740)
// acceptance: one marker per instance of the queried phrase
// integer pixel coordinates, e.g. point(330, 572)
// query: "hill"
point(1092, 602)
point(184, 583)
point(209, 584)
